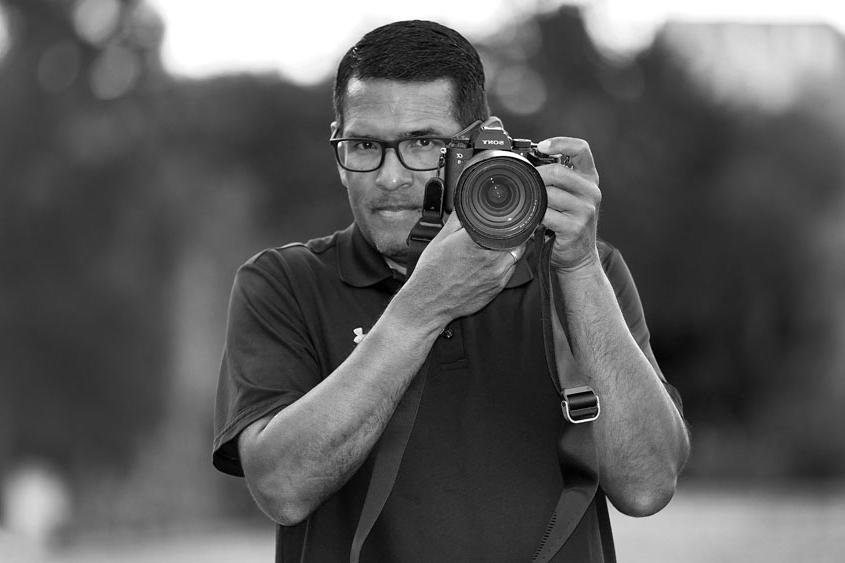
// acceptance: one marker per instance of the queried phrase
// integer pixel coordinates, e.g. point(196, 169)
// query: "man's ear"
point(493, 121)
point(340, 171)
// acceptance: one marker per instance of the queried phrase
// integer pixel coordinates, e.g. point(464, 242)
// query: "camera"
point(491, 182)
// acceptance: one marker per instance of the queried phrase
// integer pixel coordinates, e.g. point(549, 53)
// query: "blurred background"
point(149, 148)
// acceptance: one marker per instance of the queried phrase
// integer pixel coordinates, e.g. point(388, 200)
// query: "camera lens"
point(499, 192)
point(497, 201)
point(500, 199)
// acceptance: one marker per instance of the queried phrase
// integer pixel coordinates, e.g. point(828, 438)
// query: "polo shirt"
point(480, 474)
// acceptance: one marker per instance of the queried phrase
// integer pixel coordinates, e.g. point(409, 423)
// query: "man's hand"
point(574, 199)
point(644, 442)
point(455, 277)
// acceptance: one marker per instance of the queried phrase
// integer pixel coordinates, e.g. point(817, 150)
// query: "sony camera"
point(491, 182)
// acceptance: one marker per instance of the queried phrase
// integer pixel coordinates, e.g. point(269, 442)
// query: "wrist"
point(587, 271)
point(587, 265)
point(413, 314)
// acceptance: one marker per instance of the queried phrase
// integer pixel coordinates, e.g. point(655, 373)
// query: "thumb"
point(451, 225)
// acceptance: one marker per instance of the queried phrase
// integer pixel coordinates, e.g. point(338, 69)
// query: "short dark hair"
point(417, 51)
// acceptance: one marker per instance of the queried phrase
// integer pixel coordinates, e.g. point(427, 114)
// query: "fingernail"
point(544, 146)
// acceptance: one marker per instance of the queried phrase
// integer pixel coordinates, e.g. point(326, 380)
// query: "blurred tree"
point(83, 252)
point(714, 209)
point(129, 198)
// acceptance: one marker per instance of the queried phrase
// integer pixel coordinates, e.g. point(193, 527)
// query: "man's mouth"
point(396, 211)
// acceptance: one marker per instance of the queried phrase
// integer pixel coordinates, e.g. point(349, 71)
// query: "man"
point(326, 342)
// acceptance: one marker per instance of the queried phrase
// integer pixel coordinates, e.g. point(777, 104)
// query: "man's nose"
point(393, 175)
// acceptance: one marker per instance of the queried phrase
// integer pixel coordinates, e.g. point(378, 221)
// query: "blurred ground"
point(700, 525)
point(723, 525)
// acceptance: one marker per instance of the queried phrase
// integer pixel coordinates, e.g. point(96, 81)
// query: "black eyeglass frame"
point(335, 141)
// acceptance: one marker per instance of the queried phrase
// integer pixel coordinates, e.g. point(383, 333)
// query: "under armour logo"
point(359, 335)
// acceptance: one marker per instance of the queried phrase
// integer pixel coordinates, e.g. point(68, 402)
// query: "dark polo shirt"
point(480, 474)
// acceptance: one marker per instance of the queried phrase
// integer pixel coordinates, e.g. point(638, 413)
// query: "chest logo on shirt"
point(359, 335)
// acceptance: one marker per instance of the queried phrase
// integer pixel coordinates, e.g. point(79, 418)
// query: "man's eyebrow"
point(353, 134)
point(427, 132)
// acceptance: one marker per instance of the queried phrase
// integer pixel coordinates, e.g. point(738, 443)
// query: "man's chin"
point(393, 249)
point(393, 243)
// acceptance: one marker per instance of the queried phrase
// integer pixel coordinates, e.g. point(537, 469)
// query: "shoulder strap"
point(391, 446)
point(388, 458)
point(577, 445)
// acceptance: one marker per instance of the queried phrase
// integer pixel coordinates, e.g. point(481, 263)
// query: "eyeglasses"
point(365, 155)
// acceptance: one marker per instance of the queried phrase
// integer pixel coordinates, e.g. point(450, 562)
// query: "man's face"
point(386, 203)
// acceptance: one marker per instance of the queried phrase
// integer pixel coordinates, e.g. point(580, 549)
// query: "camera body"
point(491, 182)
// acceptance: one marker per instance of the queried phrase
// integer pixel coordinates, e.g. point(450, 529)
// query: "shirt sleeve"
point(269, 360)
point(632, 309)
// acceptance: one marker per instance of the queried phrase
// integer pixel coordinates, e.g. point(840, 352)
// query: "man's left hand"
point(574, 199)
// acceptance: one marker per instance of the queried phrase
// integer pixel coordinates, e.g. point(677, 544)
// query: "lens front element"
point(500, 199)
point(500, 193)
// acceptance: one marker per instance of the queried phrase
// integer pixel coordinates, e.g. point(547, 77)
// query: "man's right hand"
point(456, 277)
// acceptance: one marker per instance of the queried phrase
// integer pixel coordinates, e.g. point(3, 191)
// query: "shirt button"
point(447, 333)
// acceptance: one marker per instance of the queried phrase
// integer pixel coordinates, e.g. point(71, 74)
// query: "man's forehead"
point(387, 103)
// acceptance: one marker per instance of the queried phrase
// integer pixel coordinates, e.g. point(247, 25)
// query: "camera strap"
point(429, 223)
point(387, 459)
point(388, 452)
point(577, 445)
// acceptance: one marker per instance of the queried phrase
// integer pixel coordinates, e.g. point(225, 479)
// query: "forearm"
point(311, 448)
point(642, 439)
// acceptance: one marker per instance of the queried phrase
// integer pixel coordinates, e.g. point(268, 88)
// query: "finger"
point(451, 225)
point(567, 202)
point(514, 255)
point(510, 258)
point(581, 156)
point(452, 222)
point(566, 225)
point(562, 178)
point(520, 250)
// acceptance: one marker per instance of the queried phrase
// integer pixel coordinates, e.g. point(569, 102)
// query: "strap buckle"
point(424, 232)
point(580, 404)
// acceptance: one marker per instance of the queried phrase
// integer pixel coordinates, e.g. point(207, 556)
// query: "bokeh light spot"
point(96, 20)
point(520, 89)
point(114, 73)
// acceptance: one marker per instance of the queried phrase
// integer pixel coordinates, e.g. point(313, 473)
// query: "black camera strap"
point(577, 449)
point(429, 223)
point(388, 452)
point(387, 459)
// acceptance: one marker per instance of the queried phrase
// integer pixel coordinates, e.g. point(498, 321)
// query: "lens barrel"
point(500, 199)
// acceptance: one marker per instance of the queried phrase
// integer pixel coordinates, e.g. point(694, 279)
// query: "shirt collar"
point(360, 265)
